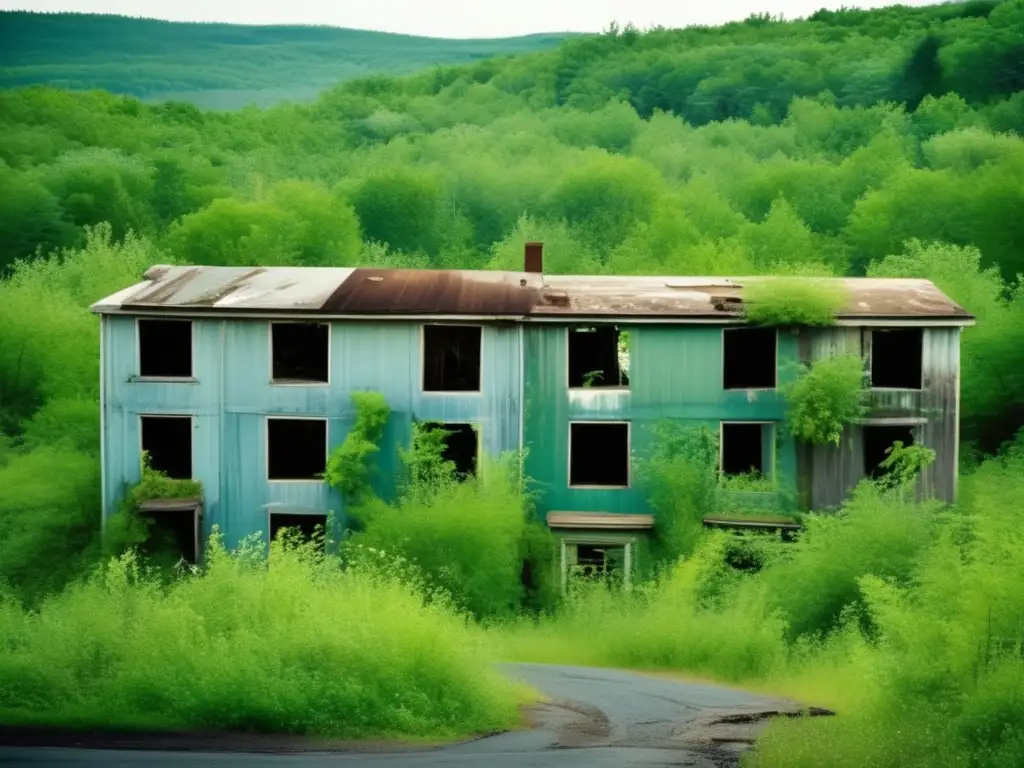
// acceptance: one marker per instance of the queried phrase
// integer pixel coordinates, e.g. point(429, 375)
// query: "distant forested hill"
point(218, 65)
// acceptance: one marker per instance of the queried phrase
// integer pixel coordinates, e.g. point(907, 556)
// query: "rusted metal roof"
point(338, 291)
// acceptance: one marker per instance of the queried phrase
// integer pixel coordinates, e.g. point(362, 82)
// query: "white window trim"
point(270, 356)
point(870, 332)
point(191, 441)
point(721, 443)
point(568, 335)
point(266, 446)
point(137, 373)
point(629, 456)
point(775, 375)
point(423, 362)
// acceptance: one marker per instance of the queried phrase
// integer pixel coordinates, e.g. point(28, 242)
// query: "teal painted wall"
point(675, 372)
point(232, 396)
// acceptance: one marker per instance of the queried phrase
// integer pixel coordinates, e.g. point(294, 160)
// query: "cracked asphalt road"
point(595, 718)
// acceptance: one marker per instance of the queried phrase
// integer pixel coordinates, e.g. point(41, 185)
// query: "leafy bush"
point(825, 397)
point(348, 469)
point(299, 647)
point(793, 301)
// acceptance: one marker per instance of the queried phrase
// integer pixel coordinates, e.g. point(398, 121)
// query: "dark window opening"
point(165, 348)
point(896, 358)
point(451, 358)
point(296, 449)
point(599, 562)
point(461, 445)
point(878, 440)
point(749, 358)
point(599, 454)
point(168, 441)
point(304, 528)
point(299, 352)
point(171, 537)
point(598, 357)
point(743, 449)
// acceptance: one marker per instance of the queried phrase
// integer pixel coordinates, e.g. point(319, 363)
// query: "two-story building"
point(241, 378)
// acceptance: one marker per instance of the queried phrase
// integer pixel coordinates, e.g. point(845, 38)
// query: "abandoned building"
point(241, 378)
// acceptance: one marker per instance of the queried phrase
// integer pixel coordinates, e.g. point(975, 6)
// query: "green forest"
point(885, 143)
point(219, 66)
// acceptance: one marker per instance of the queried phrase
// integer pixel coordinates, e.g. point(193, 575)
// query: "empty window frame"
point(174, 532)
point(896, 358)
point(747, 448)
point(598, 356)
point(597, 562)
point(300, 353)
point(461, 446)
point(165, 348)
point(878, 439)
point(599, 454)
point(296, 448)
point(749, 358)
point(168, 442)
point(305, 528)
point(451, 358)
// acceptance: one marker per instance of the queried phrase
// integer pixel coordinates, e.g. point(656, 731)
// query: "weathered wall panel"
point(932, 411)
point(232, 396)
point(675, 372)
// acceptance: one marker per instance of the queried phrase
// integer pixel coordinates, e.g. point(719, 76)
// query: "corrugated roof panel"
point(366, 291)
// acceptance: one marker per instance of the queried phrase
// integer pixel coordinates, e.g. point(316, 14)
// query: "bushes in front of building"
point(293, 644)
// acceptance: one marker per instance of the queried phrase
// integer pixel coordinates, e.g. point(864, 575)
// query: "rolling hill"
point(219, 65)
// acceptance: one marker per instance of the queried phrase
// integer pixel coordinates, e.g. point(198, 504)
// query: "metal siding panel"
point(675, 372)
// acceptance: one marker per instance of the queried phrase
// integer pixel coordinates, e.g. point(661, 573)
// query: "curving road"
point(595, 718)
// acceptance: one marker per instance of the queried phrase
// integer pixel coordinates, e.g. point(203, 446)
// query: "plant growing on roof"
point(348, 466)
point(784, 301)
point(825, 397)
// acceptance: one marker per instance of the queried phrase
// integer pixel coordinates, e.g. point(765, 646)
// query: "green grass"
point(297, 647)
point(223, 66)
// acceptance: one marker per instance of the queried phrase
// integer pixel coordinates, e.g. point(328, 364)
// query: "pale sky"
point(450, 18)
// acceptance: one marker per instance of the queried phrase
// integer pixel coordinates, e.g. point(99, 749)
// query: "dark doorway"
point(749, 358)
point(168, 441)
point(451, 358)
point(896, 358)
point(743, 449)
point(878, 440)
point(462, 444)
point(598, 357)
point(302, 527)
point(296, 449)
point(165, 348)
point(300, 352)
point(599, 454)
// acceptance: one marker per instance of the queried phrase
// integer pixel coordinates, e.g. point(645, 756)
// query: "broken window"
point(451, 358)
point(896, 358)
point(303, 527)
point(461, 446)
point(597, 562)
point(168, 441)
point(299, 352)
point(296, 448)
point(598, 357)
point(599, 454)
point(747, 449)
point(173, 533)
point(165, 348)
point(749, 358)
point(878, 440)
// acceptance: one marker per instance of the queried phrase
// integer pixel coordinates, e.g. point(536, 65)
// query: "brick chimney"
point(534, 258)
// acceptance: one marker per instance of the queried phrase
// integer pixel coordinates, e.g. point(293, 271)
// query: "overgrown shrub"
point(781, 301)
point(825, 397)
point(348, 467)
point(300, 647)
